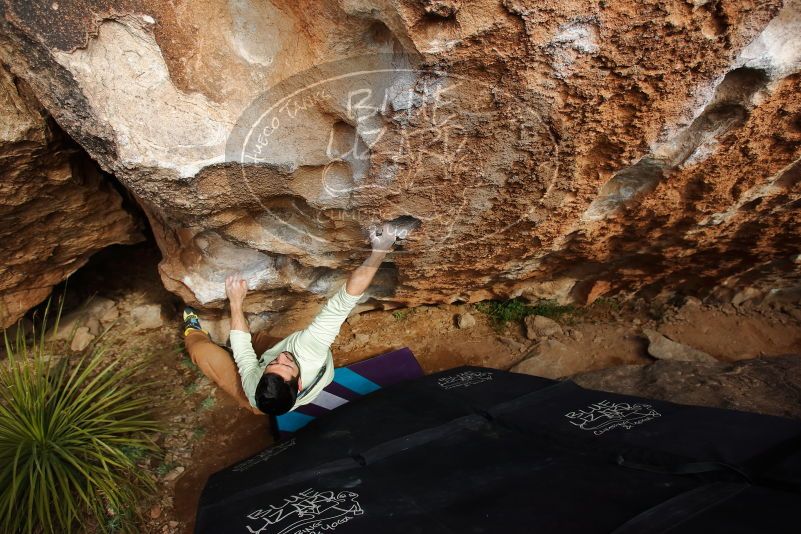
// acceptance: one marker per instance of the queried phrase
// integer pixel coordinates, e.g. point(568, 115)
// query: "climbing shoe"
point(191, 322)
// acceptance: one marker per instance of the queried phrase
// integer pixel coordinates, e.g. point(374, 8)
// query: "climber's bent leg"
point(217, 364)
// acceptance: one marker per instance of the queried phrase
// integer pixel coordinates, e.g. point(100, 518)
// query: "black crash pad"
point(482, 450)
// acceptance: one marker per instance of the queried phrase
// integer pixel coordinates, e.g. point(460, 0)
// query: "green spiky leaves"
point(66, 428)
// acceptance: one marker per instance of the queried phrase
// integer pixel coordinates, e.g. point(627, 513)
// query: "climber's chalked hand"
point(235, 289)
point(382, 238)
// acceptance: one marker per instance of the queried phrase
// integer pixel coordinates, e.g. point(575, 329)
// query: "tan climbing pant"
point(218, 364)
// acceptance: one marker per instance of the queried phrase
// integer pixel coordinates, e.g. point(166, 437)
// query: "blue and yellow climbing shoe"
point(191, 322)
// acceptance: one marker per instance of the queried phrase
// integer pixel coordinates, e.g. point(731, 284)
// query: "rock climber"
point(274, 380)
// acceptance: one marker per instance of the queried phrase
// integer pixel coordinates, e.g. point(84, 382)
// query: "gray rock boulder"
point(663, 348)
point(81, 339)
point(765, 385)
point(146, 317)
point(465, 320)
point(95, 314)
point(538, 327)
point(549, 359)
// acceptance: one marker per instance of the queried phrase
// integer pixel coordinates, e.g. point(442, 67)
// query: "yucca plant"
point(67, 426)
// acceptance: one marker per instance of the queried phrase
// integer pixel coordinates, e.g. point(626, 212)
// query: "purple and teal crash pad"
point(350, 383)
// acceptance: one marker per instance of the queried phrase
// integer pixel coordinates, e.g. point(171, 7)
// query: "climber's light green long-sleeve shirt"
point(311, 347)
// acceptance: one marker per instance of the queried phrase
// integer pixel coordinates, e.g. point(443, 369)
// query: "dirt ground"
point(207, 432)
point(605, 334)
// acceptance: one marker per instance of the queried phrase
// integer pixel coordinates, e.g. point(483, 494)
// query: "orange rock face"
point(55, 209)
point(550, 150)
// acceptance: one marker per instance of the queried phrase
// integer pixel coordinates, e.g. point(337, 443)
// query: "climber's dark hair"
point(274, 396)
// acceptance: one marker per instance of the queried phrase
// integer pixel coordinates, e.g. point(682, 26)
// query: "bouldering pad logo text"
point(306, 512)
point(463, 379)
point(603, 416)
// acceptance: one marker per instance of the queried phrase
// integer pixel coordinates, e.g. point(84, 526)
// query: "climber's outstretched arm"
point(236, 288)
point(325, 327)
point(382, 240)
point(247, 361)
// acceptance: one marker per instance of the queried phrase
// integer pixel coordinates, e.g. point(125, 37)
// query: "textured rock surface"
point(765, 385)
point(55, 208)
point(557, 150)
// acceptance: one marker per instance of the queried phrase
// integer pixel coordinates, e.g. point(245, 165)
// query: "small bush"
point(208, 403)
point(551, 309)
point(71, 433)
point(403, 314)
point(608, 303)
point(502, 312)
point(191, 389)
point(165, 468)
